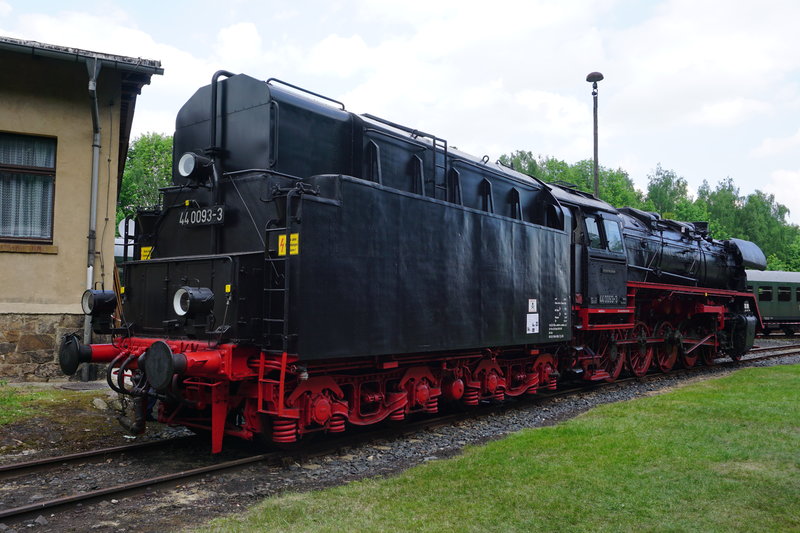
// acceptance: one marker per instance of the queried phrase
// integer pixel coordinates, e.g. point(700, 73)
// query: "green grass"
point(721, 455)
point(15, 404)
point(20, 402)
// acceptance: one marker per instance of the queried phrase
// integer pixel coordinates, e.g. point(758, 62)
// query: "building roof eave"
point(64, 53)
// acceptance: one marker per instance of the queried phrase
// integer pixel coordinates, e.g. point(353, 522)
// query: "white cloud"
point(5, 9)
point(340, 56)
point(784, 185)
point(554, 113)
point(238, 45)
point(777, 145)
point(729, 112)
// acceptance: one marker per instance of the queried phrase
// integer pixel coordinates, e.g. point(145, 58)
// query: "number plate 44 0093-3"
point(202, 216)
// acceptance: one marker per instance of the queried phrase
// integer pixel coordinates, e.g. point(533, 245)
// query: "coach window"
point(27, 181)
point(765, 294)
point(784, 294)
point(593, 233)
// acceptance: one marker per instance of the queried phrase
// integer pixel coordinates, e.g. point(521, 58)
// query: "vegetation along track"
point(194, 453)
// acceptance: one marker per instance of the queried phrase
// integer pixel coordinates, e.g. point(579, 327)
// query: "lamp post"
point(593, 78)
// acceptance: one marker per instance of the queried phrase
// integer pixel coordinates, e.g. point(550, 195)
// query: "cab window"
point(593, 233)
point(613, 236)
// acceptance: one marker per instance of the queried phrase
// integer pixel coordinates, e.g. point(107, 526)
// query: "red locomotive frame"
point(243, 392)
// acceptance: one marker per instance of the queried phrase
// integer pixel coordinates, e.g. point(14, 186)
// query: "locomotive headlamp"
point(192, 301)
point(98, 302)
point(192, 165)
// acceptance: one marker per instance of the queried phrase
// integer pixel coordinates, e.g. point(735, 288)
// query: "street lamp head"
point(594, 77)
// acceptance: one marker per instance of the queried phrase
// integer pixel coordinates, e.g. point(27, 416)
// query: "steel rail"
point(16, 468)
point(774, 348)
point(127, 487)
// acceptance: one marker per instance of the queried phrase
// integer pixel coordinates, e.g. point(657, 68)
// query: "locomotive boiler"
point(312, 269)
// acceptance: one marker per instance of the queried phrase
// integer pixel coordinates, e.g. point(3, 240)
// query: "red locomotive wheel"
point(707, 354)
point(689, 360)
point(640, 355)
point(735, 357)
point(666, 353)
point(612, 356)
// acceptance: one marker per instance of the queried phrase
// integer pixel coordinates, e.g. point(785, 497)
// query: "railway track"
point(15, 469)
point(324, 447)
point(790, 348)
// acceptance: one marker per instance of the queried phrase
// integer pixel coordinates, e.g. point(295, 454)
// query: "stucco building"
point(65, 122)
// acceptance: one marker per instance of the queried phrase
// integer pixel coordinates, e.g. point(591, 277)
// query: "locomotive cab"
point(605, 268)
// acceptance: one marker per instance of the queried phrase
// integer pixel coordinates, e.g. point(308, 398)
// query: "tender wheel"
point(640, 355)
point(666, 353)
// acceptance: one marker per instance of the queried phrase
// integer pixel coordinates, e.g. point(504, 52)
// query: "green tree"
point(616, 187)
point(148, 167)
point(522, 161)
point(665, 191)
point(723, 205)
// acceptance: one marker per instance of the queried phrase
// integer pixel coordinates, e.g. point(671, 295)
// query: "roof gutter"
point(37, 49)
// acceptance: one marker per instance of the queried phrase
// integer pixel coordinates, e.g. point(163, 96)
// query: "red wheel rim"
point(640, 354)
point(612, 357)
point(666, 353)
point(707, 354)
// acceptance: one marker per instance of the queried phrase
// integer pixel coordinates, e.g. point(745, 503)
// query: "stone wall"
point(29, 345)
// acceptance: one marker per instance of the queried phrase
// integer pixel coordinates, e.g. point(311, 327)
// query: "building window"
point(27, 182)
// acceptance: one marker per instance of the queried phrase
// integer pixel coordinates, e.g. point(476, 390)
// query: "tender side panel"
point(387, 272)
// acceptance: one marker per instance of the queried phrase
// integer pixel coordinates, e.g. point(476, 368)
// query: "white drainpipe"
point(94, 69)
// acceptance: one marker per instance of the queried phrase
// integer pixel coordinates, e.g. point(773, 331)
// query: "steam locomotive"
point(312, 269)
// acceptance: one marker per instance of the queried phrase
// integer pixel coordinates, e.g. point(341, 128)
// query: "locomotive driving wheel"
point(611, 356)
point(666, 353)
point(708, 354)
point(640, 354)
point(688, 359)
point(735, 356)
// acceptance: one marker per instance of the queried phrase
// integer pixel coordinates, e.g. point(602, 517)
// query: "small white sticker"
point(533, 307)
point(533, 323)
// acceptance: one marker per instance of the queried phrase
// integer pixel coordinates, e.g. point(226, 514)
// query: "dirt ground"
point(81, 418)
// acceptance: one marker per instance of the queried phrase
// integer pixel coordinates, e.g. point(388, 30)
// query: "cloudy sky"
point(710, 89)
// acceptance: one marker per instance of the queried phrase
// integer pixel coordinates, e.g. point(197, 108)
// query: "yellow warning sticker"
point(294, 244)
point(228, 288)
point(281, 244)
point(145, 252)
